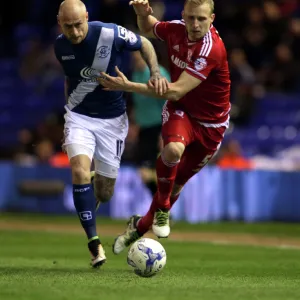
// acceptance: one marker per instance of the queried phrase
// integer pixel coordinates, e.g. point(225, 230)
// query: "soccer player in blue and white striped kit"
point(96, 123)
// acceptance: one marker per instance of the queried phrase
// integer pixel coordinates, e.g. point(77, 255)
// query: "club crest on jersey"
point(178, 62)
point(89, 73)
point(103, 51)
point(200, 64)
point(176, 48)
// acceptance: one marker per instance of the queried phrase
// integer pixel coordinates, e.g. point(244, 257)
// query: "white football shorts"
point(101, 139)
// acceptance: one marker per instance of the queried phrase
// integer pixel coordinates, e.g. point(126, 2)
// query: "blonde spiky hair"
point(200, 2)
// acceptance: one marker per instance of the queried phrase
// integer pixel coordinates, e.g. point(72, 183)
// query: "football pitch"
point(47, 258)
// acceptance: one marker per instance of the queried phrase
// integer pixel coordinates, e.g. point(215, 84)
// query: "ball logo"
point(89, 72)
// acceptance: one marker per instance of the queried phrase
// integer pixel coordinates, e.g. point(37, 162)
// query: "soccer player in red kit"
point(196, 115)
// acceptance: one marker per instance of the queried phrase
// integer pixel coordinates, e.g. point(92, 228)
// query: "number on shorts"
point(205, 160)
point(119, 146)
point(203, 163)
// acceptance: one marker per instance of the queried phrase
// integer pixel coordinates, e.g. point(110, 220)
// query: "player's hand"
point(141, 7)
point(111, 83)
point(159, 83)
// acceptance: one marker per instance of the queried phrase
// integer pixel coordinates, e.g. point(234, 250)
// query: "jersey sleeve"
point(161, 30)
point(126, 39)
point(201, 67)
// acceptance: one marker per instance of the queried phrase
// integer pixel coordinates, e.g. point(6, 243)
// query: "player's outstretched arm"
point(157, 81)
point(145, 21)
point(175, 92)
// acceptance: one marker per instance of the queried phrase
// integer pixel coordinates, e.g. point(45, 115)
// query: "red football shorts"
point(201, 142)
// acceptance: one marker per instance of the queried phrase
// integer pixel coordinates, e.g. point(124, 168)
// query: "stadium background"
point(252, 182)
point(254, 176)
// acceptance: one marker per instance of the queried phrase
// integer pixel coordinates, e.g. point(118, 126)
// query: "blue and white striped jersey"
point(100, 51)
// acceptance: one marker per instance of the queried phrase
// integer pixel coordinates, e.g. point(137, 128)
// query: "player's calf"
point(98, 202)
point(103, 188)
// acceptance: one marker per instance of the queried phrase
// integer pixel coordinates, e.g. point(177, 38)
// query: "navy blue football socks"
point(84, 201)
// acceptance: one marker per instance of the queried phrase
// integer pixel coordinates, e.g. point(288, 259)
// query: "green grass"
point(270, 229)
point(46, 266)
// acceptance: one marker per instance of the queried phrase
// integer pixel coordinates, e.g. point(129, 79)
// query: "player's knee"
point(80, 165)
point(103, 194)
point(173, 151)
point(80, 175)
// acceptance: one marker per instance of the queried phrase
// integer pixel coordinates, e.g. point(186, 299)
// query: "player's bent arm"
point(148, 53)
point(146, 25)
point(176, 91)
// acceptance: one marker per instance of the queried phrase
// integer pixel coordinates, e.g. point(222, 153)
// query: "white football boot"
point(128, 237)
point(97, 253)
point(161, 224)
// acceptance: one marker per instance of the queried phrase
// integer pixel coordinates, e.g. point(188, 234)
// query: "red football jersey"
point(205, 59)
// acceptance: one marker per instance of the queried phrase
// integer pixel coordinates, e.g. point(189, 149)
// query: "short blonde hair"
point(200, 2)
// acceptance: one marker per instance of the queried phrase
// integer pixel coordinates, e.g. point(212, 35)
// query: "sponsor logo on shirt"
point(68, 57)
point(178, 62)
point(89, 73)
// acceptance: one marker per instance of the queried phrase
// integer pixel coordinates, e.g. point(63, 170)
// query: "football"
point(147, 257)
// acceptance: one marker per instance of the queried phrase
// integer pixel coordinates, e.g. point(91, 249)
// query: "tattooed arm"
point(149, 55)
point(156, 80)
